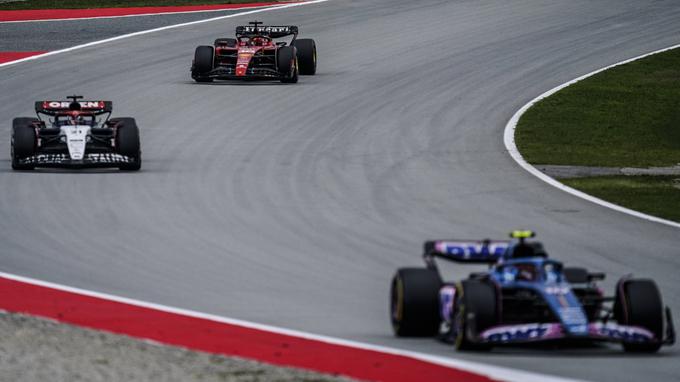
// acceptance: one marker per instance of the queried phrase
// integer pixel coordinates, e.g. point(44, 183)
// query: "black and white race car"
point(75, 133)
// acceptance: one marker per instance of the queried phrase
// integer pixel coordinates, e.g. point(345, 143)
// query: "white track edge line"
point(497, 372)
point(140, 33)
point(509, 141)
point(142, 14)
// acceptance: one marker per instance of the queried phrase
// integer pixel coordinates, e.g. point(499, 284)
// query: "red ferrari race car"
point(254, 54)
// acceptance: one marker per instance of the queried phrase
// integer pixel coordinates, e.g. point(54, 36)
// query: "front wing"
point(596, 331)
point(64, 160)
point(229, 73)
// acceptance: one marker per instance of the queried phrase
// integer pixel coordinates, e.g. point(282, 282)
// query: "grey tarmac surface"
point(293, 205)
point(56, 34)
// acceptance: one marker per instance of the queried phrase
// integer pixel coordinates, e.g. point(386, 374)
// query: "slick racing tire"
point(638, 303)
point(306, 55)
point(286, 64)
point(127, 143)
point(476, 310)
point(414, 302)
point(203, 63)
point(230, 42)
point(23, 142)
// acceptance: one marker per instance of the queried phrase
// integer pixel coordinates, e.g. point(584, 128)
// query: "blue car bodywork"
point(536, 300)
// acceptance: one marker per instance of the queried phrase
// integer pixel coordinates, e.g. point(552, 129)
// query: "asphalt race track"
point(292, 205)
point(53, 35)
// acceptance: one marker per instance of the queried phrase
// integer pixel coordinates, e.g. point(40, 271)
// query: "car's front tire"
point(306, 55)
point(638, 303)
point(287, 65)
point(476, 310)
point(414, 302)
point(24, 140)
point(128, 143)
point(203, 63)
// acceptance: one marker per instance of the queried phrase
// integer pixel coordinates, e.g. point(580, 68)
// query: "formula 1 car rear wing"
point(466, 251)
point(255, 28)
point(75, 103)
point(483, 251)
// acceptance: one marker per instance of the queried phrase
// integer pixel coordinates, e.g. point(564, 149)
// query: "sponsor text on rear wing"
point(55, 107)
point(467, 251)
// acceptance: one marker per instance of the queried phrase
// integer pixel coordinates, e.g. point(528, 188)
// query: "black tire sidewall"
point(128, 142)
point(286, 64)
point(640, 304)
point(203, 60)
point(481, 299)
point(23, 142)
point(306, 55)
point(414, 302)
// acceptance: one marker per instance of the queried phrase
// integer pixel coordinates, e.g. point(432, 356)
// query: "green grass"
point(628, 116)
point(79, 4)
point(654, 195)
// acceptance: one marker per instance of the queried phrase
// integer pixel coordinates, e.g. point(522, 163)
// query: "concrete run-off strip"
point(566, 171)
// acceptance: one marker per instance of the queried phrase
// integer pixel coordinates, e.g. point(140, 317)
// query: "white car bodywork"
point(76, 137)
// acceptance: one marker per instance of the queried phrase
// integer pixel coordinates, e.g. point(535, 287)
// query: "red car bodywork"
point(243, 53)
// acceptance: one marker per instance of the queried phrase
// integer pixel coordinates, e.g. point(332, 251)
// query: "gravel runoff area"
point(35, 349)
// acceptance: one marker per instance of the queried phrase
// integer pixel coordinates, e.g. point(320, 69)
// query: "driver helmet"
point(75, 118)
point(258, 40)
point(526, 272)
point(74, 106)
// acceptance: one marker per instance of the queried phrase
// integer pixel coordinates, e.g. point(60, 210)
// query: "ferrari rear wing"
point(466, 251)
point(55, 107)
point(274, 31)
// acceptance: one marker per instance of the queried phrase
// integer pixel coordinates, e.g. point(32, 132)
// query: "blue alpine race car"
point(524, 297)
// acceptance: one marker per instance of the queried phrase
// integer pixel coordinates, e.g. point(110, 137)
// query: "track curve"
point(509, 141)
point(293, 205)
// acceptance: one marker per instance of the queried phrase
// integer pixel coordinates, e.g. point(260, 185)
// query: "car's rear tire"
point(203, 63)
point(23, 143)
point(476, 311)
point(306, 55)
point(638, 303)
point(286, 64)
point(414, 302)
point(230, 42)
point(128, 143)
